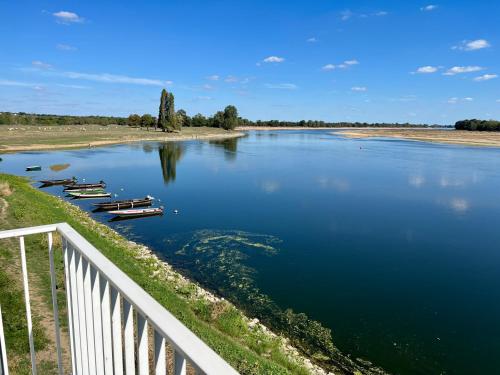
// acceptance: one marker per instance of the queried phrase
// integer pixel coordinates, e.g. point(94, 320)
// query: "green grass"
point(219, 324)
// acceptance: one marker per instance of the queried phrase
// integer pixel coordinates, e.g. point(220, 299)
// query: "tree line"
point(22, 118)
point(478, 125)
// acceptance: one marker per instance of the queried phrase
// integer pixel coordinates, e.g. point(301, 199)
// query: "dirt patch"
point(5, 189)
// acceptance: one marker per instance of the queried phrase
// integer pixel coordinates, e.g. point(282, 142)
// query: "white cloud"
point(274, 59)
point(40, 65)
point(427, 69)
point(206, 86)
point(312, 40)
point(203, 98)
point(7, 82)
point(281, 86)
point(472, 45)
point(381, 13)
point(485, 77)
point(346, 14)
point(359, 89)
point(113, 78)
point(65, 47)
point(66, 17)
point(455, 100)
point(462, 69)
point(231, 79)
point(498, 100)
point(213, 77)
point(429, 8)
point(344, 65)
point(72, 86)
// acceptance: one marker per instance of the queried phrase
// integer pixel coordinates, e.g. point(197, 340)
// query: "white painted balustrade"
point(110, 318)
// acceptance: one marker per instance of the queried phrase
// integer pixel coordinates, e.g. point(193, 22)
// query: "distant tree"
point(183, 119)
point(171, 117)
point(147, 121)
point(218, 120)
point(134, 120)
point(199, 120)
point(230, 117)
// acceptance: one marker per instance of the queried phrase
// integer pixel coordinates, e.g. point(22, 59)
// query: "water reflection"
point(170, 153)
point(229, 145)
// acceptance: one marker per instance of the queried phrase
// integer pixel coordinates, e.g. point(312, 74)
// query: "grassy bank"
point(23, 138)
point(249, 347)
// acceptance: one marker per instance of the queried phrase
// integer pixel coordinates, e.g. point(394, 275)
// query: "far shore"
point(17, 138)
point(456, 137)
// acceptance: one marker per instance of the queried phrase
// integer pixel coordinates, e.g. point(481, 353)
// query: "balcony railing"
point(109, 317)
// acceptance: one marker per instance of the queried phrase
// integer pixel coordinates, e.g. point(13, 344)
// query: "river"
point(393, 245)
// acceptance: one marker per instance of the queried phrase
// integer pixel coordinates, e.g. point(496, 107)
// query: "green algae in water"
point(219, 260)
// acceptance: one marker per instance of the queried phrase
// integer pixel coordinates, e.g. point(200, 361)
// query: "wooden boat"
point(33, 168)
point(100, 184)
point(90, 194)
point(122, 204)
point(85, 190)
point(138, 212)
point(65, 181)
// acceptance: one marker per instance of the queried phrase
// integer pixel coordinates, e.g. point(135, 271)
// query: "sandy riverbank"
point(457, 137)
point(30, 138)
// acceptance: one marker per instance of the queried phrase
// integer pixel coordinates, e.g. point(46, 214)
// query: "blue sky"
point(374, 61)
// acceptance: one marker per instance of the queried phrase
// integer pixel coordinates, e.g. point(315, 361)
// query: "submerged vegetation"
point(220, 259)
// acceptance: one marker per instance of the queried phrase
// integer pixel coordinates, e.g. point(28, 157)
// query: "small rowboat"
point(65, 181)
point(90, 194)
point(138, 212)
point(33, 168)
point(85, 190)
point(100, 184)
point(129, 203)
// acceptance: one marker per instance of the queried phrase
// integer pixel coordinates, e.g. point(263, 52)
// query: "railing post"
point(4, 367)
point(54, 304)
point(28, 306)
point(69, 302)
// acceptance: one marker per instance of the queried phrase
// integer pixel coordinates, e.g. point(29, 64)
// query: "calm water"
point(393, 245)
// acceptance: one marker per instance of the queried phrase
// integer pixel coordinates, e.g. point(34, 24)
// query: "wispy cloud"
point(455, 100)
point(112, 78)
point(7, 82)
point(429, 8)
point(231, 79)
point(66, 17)
point(312, 40)
point(40, 64)
point(485, 77)
point(274, 59)
point(359, 89)
point(472, 45)
point(462, 69)
point(281, 86)
point(344, 65)
point(381, 13)
point(427, 69)
point(213, 77)
point(346, 14)
point(65, 47)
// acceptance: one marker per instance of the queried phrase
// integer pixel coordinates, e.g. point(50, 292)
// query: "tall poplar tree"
point(162, 115)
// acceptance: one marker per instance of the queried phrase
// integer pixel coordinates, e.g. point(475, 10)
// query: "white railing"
point(109, 317)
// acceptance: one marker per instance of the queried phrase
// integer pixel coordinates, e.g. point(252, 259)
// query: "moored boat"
point(90, 194)
point(65, 181)
point(85, 190)
point(33, 168)
point(138, 212)
point(100, 184)
point(123, 204)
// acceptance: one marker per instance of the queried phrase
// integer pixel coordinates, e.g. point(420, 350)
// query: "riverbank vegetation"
point(478, 125)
